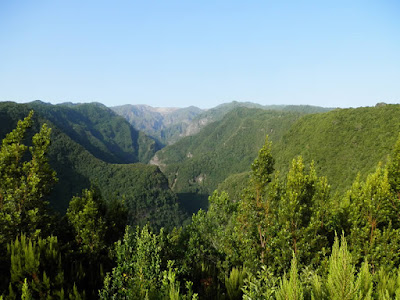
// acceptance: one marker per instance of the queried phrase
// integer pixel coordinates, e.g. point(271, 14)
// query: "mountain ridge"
point(169, 124)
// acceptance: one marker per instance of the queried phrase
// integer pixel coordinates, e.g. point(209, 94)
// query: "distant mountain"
point(143, 187)
point(168, 125)
point(218, 112)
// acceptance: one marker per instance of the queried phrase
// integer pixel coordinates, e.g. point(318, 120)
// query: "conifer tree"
point(372, 216)
point(290, 289)
point(37, 263)
point(341, 283)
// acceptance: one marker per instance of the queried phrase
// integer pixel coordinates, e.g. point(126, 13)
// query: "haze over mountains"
point(168, 125)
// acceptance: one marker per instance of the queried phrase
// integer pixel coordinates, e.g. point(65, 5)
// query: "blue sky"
point(202, 53)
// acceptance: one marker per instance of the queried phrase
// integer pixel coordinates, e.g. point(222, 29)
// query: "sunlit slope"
point(197, 164)
point(342, 142)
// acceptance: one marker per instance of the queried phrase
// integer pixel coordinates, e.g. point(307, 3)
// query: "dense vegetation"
point(221, 153)
point(285, 237)
point(168, 125)
point(342, 142)
point(100, 131)
point(144, 188)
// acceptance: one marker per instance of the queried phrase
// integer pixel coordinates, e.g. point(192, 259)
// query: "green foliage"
point(171, 287)
point(36, 267)
point(138, 272)
point(263, 166)
point(234, 283)
point(263, 285)
point(26, 294)
point(394, 169)
point(290, 289)
point(302, 215)
point(373, 211)
point(341, 277)
point(24, 182)
point(197, 164)
point(86, 215)
point(254, 216)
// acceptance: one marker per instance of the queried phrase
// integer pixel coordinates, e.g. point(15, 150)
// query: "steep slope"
point(98, 129)
point(342, 142)
point(166, 125)
point(144, 188)
point(197, 164)
point(218, 112)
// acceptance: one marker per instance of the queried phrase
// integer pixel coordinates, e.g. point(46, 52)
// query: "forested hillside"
point(144, 188)
point(198, 193)
point(196, 164)
point(99, 130)
point(168, 125)
point(222, 152)
point(342, 142)
point(286, 237)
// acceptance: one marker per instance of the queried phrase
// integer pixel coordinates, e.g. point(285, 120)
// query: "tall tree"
point(25, 180)
point(255, 220)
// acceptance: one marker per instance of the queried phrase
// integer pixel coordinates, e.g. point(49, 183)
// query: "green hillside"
point(144, 188)
point(218, 112)
point(342, 142)
point(168, 125)
point(197, 164)
point(98, 129)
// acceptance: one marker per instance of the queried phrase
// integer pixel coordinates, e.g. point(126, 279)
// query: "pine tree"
point(341, 283)
point(291, 289)
point(25, 180)
point(37, 262)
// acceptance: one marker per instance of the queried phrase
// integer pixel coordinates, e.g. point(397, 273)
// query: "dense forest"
point(307, 206)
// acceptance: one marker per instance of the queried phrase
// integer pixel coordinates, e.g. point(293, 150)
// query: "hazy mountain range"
point(168, 125)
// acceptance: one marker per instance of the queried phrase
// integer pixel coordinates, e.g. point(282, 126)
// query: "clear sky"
point(202, 53)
